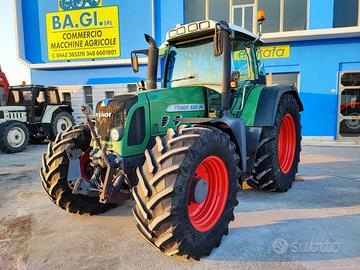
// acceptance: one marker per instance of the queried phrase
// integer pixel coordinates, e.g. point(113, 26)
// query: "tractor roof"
point(201, 28)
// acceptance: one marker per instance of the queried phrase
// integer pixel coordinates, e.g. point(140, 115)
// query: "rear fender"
point(234, 127)
point(268, 102)
point(49, 111)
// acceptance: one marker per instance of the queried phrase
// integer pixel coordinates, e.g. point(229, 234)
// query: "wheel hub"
point(353, 123)
point(62, 124)
point(201, 190)
point(16, 137)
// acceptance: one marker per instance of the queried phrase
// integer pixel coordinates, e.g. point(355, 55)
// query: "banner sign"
point(82, 29)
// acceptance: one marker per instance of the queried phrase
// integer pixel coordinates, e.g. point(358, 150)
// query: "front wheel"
point(187, 190)
point(278, 153)
point(55, 170)
point(14, 137)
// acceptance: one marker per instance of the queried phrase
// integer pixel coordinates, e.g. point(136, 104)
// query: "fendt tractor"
point(30, 112)
point(183, 151)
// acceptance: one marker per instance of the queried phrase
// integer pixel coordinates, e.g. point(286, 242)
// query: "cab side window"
point(242, 60)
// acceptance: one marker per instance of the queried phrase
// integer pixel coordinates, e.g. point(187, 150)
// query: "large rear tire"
point(278, 153)
point(173, 211)
point(14, 137)
point(54, 172)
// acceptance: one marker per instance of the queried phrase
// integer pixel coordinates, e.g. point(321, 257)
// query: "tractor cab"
point(194, 56)
point(219, 57)
point(36, 98)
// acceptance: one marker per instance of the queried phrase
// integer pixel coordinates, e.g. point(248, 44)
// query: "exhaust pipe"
point(153, 56)
point(225, 86)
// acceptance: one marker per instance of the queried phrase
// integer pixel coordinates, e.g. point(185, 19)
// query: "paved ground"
point(313, 226)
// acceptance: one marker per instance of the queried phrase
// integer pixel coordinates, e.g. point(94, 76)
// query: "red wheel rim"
point(86, 172)
point(204, 216)
point(287, 143)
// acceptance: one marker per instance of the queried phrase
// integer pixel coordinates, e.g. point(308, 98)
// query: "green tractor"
point(182, 151)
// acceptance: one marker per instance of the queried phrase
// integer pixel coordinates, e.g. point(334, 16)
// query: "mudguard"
point(268, 102)
point(234, 127)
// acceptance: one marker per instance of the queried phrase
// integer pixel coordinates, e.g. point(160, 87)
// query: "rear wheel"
point(54, 172)
point(351, 126)
point(278, 153)
point(61, 121)
point(187, 190)
point(14, 137)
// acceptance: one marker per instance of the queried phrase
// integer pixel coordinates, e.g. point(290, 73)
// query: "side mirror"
point(134, 62)
point(218, 41)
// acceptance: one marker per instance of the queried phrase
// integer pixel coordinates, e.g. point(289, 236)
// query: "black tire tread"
point(267, 175)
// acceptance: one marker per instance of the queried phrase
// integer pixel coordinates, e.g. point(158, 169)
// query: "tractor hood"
point(127, 123)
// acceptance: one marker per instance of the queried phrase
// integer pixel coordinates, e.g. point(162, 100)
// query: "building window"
point(281, 15)
point(272, 9)
point(195, 10)
point(218, 10)
point(109, 94)
point(132, 88)
point(283, 78)
point(243, 14)
point(295, 15)
point(66, 97)
point(88, 94)
point(284, 15)
point(346, 13)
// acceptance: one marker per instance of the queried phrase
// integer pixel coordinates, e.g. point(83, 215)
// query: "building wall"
point(318, 63)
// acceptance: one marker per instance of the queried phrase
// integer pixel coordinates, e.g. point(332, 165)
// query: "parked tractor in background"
point(184, 150)
point(32, 112)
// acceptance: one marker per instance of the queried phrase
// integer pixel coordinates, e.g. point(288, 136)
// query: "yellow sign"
point(267, 52)
point(87, 33)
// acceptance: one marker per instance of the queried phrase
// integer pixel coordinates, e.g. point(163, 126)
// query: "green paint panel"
point(249, 112)
point(167, 105)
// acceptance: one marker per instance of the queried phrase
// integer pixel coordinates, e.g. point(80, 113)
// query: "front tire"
point(172, 212)
point(14, 137)
point(278, 153)
point(54, 172)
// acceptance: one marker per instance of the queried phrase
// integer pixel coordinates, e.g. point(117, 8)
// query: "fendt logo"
point(78, 4)
point(103, 115)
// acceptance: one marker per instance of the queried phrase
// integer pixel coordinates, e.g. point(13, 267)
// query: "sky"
point(15, 71)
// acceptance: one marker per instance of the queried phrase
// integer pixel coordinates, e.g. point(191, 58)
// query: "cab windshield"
point(195, 64)
point(191, 64)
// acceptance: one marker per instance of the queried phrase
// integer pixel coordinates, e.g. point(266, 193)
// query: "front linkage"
point(106, 165)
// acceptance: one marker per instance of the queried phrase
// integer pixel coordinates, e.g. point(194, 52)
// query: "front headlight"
point(116, 134)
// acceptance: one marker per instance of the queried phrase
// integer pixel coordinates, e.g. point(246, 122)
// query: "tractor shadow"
point(316, 220)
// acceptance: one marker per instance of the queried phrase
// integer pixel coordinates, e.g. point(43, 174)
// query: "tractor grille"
point(111, 113)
